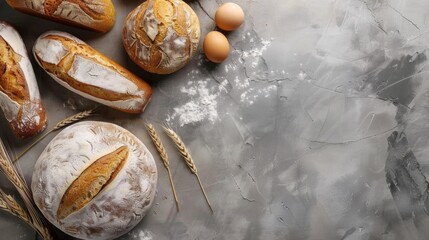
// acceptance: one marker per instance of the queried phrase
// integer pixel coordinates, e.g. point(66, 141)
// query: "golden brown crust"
point(161, 36)
point(91, 53)
point(25, 126)
point(91, 181)
point(22, 105)
point(102, 14)
point(64, 66)
point(120, 205)
point(76, 49)
point(12, 80)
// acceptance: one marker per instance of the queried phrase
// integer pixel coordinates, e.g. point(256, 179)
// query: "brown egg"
point(229, 16)
point(216, 47)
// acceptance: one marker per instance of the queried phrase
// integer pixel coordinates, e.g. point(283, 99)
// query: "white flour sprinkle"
point(203, 95)
point(241, 83)
point(250, 95)
point(142, 235)
point(257, 52)
point(145, 235)
point(202, 104)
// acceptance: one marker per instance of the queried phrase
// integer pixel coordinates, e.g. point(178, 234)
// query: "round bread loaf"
point(161, 36)
point(94, 180)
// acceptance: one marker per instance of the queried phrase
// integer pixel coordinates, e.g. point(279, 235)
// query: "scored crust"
point(161, 36)
point(19, 95)
point(121, 202)
point(92, 181)
point(98, 15)
point(12, 78)
point(82, 69)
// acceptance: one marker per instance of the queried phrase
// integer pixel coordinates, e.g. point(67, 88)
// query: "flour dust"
point(236, 77)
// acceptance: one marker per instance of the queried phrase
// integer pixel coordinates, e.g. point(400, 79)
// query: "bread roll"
point(97, 15)
point(161, 36)
point(83, 70)
point(19, 94)
point(94, 180)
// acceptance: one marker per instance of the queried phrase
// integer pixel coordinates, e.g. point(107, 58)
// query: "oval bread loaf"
point(94, 180)
point(85, 71)
point(161, 36)
point(19, 94)
point(97, 15)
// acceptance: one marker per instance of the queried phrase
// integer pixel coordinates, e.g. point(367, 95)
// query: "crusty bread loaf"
point(19, 94)
point(83, 70)
point(97, 15)
point(91, 181)
point(94, 180)
point(161, 36)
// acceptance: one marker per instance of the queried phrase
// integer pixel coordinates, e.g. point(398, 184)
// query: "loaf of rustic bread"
point(94, 180)
point(161, 36)
point(85, 71)
point(97, 15)
point(19, 95)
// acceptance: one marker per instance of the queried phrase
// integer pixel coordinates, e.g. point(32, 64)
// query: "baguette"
point(19, 94)
point(85, 71)
point(97, 15)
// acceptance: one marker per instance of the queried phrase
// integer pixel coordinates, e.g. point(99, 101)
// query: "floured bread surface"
point(81, 69)
point(19, 95)
point(161, 36)
point(98, 15)
point(94, 180)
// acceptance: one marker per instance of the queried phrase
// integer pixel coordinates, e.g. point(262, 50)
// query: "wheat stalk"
point(9, 204)
point(164, 157)
point(59, 125)
point(11, 173)
point(181, 147)
point(73, 119)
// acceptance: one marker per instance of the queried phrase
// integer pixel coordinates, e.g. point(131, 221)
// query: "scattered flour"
point(142, 235)
point(302, 75)
point(257, 52)
point(203, 95)
point(241, 83)
point(202, 104)
point(250, 95)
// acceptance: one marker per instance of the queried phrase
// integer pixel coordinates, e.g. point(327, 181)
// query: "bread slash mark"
point(91, 181)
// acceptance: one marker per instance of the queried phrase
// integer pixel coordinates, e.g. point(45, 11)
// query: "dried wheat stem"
point(59, 125)
point(74, 118)
point(9, 204)
point(32, 145)
point(181, 147)
point(173, 188)
point(204, 192)
point(11, 173)
point(163, 154)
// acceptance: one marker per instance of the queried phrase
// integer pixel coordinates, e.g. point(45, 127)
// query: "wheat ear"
point(164, 157)
point(9, 204)
point(11, 173)
point(181, 147)
point(60, 124)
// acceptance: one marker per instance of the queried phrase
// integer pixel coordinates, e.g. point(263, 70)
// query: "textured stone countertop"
point(316, 127)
